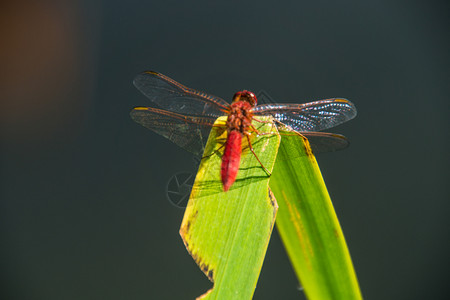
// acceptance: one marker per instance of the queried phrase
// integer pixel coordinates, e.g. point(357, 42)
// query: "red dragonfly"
point(186, 116)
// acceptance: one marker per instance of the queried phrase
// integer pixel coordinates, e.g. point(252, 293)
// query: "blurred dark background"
point(84, 213)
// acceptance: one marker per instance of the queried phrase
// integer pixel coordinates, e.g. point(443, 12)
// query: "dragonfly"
point(186, 116)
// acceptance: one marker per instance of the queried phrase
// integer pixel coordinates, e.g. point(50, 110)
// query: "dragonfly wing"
point(313, 116)
point(326, 142)
point(188, 132)
point(173, 96)
point(319, 141)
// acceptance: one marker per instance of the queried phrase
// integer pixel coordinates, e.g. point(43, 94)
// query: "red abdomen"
point(231, 159)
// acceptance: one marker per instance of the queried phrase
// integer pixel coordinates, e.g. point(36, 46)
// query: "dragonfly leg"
point(294, 132)
point(261, 121)
point(253, 129)
point(251, 149)
point(206, 156)
point(263, 133)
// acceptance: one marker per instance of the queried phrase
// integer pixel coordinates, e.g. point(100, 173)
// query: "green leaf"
point(308, 224)
point(227, 233)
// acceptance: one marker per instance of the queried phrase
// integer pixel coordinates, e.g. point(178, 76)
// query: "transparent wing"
point(188, 132)
point(313, 116)
point(168, 94)
point(320, 142)
point(326, 142)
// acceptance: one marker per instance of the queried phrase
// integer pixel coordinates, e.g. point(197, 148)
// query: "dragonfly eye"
point(246, 96)
point(237, 96)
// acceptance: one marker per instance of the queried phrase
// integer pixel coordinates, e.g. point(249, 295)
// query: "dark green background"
point(84, 213)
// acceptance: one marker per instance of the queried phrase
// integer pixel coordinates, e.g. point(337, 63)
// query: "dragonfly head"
point(246, 96)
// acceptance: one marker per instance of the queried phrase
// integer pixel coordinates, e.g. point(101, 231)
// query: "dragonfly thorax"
point(239, 116)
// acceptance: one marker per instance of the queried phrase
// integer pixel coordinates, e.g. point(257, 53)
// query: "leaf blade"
point(227, 233)
point(309, 226)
